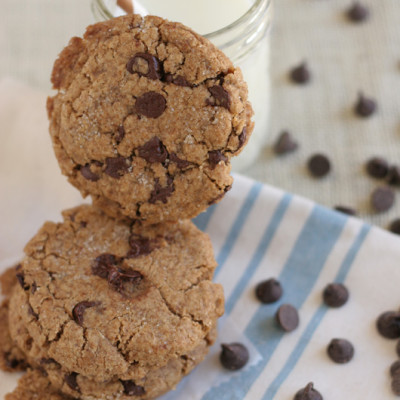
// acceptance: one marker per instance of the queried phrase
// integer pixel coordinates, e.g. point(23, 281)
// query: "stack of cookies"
point(117, 301)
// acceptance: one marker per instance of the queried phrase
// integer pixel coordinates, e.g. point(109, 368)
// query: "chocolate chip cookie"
point(146, 118)
point(107, 307)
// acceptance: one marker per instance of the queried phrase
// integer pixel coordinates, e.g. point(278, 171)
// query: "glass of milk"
point(240, 28)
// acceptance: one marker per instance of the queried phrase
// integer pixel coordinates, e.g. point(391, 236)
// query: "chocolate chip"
point(395, 226)
point(365, 106)
point(21, 280)
point(287, 317)
point(242, 138)
point(181, 164)
point(118, 276)
point(396, 385)
point(88, 174)
point(160, 193)
point(382, 199)
point(269, 291)
point(388, 324)
point(151, 104)
point(234, 356)
point(319, 165)
point(358, 12)
point(139, 246)
point(308, 393)
point(47, 361)
point(300, 74)
point(71, 381)
point(120, 134)
point(340, 351)
point(215, 157)
point(335, 295)
point(346, 210)
point(395, 369)
point(14, 363)
point(394, 175)
point(103, 263)
point(33, 288)
point(145, 64)
point(79, 310)
point(116, 167)
point(377, 167)
point(153, 151)
point(178, 80)
point(285, 144)
point(131, 389)
point(220, 97)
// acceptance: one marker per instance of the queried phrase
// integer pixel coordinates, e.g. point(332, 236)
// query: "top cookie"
point(147, 116)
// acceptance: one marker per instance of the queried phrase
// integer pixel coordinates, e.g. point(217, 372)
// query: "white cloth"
point(257, 232)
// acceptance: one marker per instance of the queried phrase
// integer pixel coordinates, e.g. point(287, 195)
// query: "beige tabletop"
point(344, 58)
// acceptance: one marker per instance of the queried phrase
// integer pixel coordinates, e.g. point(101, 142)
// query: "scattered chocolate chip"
point(215, 157)
point(287, 317)
point(396, 385)
point(120, 134)
point(358, 12)
point(308, 393)
point(365, 106)
point(319, 165)
point(153, 151)
point(103, 263)
point(145, 64)
point(116, 167)
point(79, 310)
point(394, 175)
point(242, 138)
point(14, 363)
point(71, 381)
point(83, 224)
point(285, 144)
point(117, 277)
point(340, 351)
point(269, 291)
point(395, 369)
point(382, 199)
point(346, 210)
point(178, 80)
point(377, 167)
point(151, 104)
point(181, 164)
point(335, 295)
point(139, 246)
point(220, 97)
point(160, 193)
point(388, 324)
point(88, 174)
point(300, 74)
point(131, 389)
point(33, 288)
point(395, 226)
point(234, 356)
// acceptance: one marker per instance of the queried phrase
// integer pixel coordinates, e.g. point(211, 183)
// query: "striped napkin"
point(260, 232)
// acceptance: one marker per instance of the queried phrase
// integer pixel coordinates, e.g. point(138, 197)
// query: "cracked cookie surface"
point(147, 117)
point(101, 302)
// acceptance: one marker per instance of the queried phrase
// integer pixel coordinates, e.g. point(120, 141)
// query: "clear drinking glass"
point(240, 28)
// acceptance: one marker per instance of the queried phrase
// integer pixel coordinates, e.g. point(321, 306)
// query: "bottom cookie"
point(35, 385)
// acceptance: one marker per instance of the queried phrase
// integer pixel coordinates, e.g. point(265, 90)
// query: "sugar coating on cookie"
point(108, 307)
point(147, 116)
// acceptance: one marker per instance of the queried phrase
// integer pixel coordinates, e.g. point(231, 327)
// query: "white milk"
point(202, 16)
point(208, 16)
